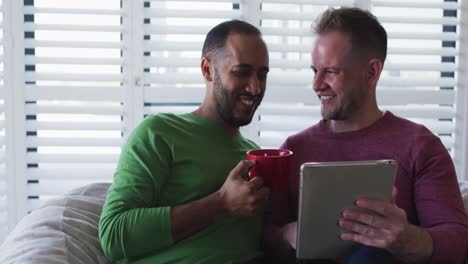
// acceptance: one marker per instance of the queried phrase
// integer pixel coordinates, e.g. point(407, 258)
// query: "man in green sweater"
point(179, 193)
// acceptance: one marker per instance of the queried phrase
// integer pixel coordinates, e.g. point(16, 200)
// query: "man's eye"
point(262, 76)
point(241, 73)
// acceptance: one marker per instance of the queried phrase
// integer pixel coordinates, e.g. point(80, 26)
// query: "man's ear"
point(374, 68)
point(206, 69)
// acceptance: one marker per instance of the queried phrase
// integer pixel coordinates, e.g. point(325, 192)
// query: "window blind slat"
point(424, 36)
point(191, 14)
point(421, 66)
point(32, 77)
point(51, 188)
point(304, 16)
point(75, 93)
point(179, 95)
point(169, 109)
point(197, 1)
point(91, 173)
point(286, 31)
point(53, 27)
point(419, 4)
point(420, 20)
point(38, 10)
point(60, 109)
point(74, 142)
point(181, 30)
point(68, 60)
point(313, 2)
point(72, 44)
point(71, 158)
point(94, 126)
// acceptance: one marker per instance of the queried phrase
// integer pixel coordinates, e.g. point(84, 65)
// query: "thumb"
point(242, 168)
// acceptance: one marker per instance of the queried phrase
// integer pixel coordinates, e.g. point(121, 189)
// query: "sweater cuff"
point(442, 247)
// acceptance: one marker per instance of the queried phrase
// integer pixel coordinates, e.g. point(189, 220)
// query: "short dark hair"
point(368, 36)
point(216, 38)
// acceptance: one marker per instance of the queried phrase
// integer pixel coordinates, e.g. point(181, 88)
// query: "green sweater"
point(170, 160)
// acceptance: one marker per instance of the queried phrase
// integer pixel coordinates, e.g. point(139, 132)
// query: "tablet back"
point(326, 188)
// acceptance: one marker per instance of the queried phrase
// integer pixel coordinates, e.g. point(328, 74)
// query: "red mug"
point(273, 165)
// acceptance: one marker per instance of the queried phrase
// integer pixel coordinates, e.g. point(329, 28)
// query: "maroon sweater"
point(426, 181)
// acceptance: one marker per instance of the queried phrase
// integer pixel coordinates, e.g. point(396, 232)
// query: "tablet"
point(326, 188)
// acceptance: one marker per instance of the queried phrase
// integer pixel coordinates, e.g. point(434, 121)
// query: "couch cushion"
point(64, 230)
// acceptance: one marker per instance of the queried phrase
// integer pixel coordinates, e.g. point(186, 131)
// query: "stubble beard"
point(225, 107)
point(348, 105)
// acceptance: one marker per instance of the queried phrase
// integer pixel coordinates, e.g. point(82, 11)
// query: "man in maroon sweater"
point(426, 222)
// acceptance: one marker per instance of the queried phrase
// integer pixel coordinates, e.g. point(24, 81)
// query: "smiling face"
point(239, 80)
point(340, 79)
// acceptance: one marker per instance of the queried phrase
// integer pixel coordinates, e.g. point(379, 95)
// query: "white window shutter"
point(174, 32)
point(420, 75)
point(73, 93)
point(3, 169)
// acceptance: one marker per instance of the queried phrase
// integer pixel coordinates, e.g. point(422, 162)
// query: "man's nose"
point(253, 86)
point(317, 83)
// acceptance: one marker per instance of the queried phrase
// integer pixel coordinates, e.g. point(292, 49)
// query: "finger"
point(367, 218)
point(365, 230)
point(242, 168)
point(263, 194)
point(385, 208)
point(256, 182)
point(363, 240)
point(394, 194)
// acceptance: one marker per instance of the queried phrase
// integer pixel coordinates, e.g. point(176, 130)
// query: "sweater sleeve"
point(133, 222)
point(439, 204)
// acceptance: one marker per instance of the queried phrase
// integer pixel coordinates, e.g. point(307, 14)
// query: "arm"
point(442, 234)
point(135, 223)
point(236, 197)
point(439, 204)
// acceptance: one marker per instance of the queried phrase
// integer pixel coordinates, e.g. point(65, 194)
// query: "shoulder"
point(154, 125)
point(161, 122)
point(303, 136)
point(422, 145)
point(415, 132)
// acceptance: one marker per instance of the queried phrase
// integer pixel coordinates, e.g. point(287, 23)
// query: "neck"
point(356, 122)
point(212, 114)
